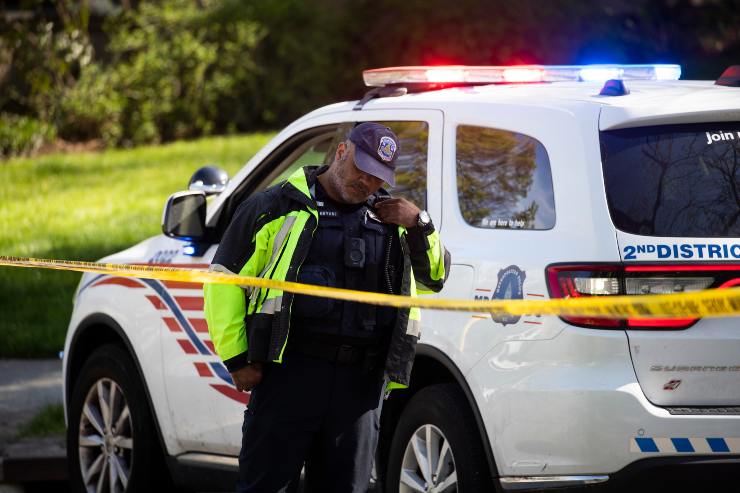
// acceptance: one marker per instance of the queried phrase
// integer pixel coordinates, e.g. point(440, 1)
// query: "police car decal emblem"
point(189, 331)
point(387, 148)
point(509, 287)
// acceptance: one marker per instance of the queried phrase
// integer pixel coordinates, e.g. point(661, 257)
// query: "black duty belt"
point(344, 354)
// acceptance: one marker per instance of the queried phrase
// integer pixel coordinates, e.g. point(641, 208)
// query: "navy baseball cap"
point(376, 150)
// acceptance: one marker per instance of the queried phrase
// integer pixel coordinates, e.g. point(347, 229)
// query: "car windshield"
point(674, 180)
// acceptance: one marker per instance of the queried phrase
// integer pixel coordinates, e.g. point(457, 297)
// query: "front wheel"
point(112, 443)
point(436, 447)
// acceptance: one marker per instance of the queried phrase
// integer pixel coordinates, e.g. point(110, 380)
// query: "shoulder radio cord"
point(387, 266)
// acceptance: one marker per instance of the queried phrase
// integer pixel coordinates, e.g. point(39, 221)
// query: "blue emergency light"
point(195, 249)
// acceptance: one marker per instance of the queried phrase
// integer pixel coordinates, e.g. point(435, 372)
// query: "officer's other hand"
point(247, 378)
point(398, 211)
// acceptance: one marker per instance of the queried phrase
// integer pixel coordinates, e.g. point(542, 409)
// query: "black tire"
point(134, 444)
point(444, 407)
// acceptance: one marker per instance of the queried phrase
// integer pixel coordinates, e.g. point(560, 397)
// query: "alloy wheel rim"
point(428, 464)
point(105, 440)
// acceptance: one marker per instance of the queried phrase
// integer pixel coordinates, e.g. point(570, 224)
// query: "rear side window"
point(674, 180)
point(503, 179)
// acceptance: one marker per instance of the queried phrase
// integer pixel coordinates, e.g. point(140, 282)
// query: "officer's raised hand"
point(247, 378)
point(398, 211)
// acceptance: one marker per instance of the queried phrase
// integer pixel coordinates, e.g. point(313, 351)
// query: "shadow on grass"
point(36, 304)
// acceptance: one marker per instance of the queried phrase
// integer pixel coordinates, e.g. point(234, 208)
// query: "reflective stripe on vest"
point(276, 247)
point(272, 305)
point(413, 328)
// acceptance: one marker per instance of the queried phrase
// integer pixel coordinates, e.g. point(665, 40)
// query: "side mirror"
point(184, 216)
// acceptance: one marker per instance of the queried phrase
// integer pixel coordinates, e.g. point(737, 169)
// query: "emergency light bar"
point(477, 75)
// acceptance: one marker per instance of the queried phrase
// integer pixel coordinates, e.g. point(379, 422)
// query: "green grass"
point(49, 421)
point(84, 207)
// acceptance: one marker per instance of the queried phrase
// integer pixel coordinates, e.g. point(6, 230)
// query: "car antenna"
point(380, 92)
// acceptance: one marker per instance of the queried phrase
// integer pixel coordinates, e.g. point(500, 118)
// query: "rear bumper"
point(572, 406)
point(672, 474)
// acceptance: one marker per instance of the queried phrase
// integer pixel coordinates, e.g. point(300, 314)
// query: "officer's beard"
point(353, 192)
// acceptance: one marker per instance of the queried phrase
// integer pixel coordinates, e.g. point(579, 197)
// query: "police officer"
point(318, 368)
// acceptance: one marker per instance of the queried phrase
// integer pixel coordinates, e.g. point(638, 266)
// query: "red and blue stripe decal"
point(178, 323)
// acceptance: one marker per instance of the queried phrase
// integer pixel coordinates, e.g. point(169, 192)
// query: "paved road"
point(26, 387)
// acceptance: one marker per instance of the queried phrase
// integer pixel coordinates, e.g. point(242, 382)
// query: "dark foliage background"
point(124, 72)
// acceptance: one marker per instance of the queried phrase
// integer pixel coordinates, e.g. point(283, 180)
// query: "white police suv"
point(545, 182)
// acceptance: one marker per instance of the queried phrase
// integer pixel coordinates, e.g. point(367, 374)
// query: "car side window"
point(503, 179)
point(309, 147)
point(317, 147)
point(411, 164)
point(313, 152)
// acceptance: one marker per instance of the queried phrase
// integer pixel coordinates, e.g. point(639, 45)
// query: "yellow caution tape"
point(707, 303)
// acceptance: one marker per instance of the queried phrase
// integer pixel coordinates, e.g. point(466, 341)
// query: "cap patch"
point(387, 148)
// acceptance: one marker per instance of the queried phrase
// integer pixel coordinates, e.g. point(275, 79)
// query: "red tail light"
point(579, 280)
